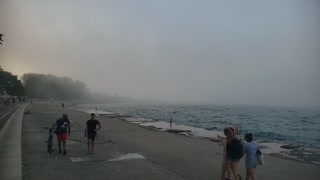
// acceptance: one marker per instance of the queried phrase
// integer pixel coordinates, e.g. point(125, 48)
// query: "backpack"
point(236, 149)
point(61, 127)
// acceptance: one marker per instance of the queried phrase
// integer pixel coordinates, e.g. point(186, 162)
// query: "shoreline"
point(166, 155)
point(269, 148)
point(291, 152)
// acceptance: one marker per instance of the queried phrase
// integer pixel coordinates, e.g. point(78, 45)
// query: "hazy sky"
point(230, 52)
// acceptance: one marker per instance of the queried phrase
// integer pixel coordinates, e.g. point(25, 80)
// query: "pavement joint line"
point(25, 165)
point(85, 142)
point(91, 161)
point(167, 168)
point(10, 111)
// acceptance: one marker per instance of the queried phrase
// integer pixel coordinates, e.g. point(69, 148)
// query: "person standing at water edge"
point(250, 150)
point(63, 131)
point(232, 153)
point(91, 132)
point(224, 159)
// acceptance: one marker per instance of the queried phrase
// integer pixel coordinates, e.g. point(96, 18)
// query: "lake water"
point(286, 125)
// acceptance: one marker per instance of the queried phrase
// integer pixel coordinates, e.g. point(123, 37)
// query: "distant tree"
point(50, 86)
point(9, 84)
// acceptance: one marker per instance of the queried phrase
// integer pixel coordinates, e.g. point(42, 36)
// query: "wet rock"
point(177, 131)
point(215, 139)
point(27, 112)
point(289, 146)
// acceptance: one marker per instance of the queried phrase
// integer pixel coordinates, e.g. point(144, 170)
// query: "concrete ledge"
point(10, 146)
point(6, 126)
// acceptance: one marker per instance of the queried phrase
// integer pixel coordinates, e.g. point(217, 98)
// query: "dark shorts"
point(229, 159)
point(92, 135)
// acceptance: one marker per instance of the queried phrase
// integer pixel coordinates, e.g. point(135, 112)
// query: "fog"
point(217, 52)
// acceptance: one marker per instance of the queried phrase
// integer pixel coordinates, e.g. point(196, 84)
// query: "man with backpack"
point(62, 131)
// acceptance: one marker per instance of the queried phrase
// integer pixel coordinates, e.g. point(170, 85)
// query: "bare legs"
point(224, 168)
point(228, 173)
point(234, 168)
point(90, 143)
point(251, 174)
point(59, 145)
point(64, 145)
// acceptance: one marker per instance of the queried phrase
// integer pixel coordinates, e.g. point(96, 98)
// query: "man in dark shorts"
point(62, 131)
point(91, 132)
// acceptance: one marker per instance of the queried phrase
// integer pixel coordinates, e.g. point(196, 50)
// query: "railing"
point(237, 128)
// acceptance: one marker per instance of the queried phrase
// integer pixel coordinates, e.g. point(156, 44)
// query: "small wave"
point(212, 128)
point(306, 121)
point(305, 117)
point(142, 120)
point(271, 136)
point(218, 121)
point(217, 116)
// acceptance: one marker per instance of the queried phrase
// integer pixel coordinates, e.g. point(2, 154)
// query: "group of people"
point(13, 100)
point(233, 151)
point(63, 130)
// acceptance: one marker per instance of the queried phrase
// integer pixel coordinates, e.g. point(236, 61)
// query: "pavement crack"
point(175, 172)
point(25, 165)
point(85, 142)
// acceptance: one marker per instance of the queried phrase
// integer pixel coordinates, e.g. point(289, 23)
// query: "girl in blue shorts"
point(250, 150)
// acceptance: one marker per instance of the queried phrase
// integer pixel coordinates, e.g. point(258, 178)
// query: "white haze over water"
point(213, 52)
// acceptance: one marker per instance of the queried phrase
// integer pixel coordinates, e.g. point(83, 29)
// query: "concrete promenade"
point(124, 151)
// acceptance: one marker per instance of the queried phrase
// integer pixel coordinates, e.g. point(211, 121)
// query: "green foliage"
point(10, 84)
point(50, 86)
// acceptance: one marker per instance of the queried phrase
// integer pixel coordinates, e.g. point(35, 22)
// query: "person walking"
point(232, 153)
point(91, 132)
point(227, 177)
point(63, 131)
point(250, 150)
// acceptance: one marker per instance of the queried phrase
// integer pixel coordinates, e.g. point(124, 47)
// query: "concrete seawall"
point(10, 146)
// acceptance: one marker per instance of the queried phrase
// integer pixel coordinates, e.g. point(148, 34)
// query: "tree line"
point(10, 84)
point(42, 86)
point(47, 86)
